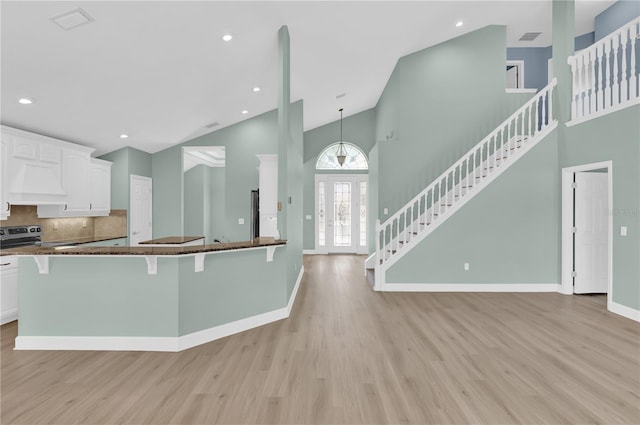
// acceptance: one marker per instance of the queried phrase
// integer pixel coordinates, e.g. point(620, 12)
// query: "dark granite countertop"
point(144, 250)
point(172, 240)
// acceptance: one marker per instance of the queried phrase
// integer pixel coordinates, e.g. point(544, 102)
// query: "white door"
point(141, 208)
point(591, 233)
point(341, 213)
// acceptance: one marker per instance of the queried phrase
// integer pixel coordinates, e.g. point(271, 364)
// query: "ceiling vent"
point(530, 36)
point(73, 19)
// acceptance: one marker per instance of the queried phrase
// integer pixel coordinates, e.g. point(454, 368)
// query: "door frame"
point(133, 177)
point(566, 286)
point(351, 176)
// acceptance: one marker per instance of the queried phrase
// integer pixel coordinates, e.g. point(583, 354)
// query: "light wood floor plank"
point(348, 355)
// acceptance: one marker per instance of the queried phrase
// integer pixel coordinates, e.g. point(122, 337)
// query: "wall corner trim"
point(624, 311)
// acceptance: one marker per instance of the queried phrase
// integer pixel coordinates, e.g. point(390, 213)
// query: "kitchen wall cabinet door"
point(99, 187)
point(5, 206)
point(75, 180)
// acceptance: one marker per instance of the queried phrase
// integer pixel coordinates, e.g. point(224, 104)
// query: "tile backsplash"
point(57, 229)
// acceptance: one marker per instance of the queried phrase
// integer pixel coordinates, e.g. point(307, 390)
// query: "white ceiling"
point(160, 72)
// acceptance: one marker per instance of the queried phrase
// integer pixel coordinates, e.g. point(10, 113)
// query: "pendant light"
point(341, 154)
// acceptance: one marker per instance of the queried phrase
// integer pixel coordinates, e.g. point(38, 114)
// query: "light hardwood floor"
point(350, 355)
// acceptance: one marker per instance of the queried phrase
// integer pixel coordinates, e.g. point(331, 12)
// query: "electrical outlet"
point(307, 217)
point(385, 211)
point(623, 230)
point(241, 221)
point(55, 225)
point(466, 267)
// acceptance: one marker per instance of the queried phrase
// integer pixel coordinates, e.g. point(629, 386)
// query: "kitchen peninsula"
point(146, 297)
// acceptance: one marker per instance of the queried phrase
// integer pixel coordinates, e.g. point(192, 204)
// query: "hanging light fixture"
point(341, 154)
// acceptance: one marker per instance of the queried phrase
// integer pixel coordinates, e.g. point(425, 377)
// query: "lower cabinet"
point(8, 289)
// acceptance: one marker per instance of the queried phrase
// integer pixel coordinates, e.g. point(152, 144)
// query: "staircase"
point(460, 183)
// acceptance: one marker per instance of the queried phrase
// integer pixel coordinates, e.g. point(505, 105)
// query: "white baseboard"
point(309, 252)
point(9, 316)
point(171, 344)
point(625, 311)
point(470, 287)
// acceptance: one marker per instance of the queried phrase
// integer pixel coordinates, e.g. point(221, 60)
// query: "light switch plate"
point(385, 211)
point(241, 221)
point(307, 217)
point(623, 230)
point(466, 267)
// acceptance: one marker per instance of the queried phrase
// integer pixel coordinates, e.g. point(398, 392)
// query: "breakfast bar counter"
point(148, 298)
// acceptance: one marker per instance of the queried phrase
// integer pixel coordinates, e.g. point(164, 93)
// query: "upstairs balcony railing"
point(605, 75)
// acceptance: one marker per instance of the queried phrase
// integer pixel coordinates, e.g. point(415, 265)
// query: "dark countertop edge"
point(141, 250)
point(163, 241)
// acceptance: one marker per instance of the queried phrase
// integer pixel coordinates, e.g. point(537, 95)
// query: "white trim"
point(9, 316)
point(603, 112)
point(148, 180)
point(469, 287)
point(624, 311)
point(294, 293)
point(521, 91)
point(520, 65)
point(172, 344)
point(309, 252)
point(566, 286)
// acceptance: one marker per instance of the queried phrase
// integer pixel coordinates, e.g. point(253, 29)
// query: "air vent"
point(530, 36)
point(73, 19)
point(213, 124)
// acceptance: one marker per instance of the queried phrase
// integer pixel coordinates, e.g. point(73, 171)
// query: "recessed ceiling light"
point(256, 89)
point(124, 136)
point(25, 101)
point(227, 37)
point(459, 24)
point(245, 112)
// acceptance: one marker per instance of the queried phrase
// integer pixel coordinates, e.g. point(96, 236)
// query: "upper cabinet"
point(5, 207)
point(99, 187)
point(59, 177)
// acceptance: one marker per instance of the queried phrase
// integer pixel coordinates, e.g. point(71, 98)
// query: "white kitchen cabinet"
point(99, 187)
point(75, 181)
point(268, 185)
point(8, 289)
point(5, 206)
point(33, 168)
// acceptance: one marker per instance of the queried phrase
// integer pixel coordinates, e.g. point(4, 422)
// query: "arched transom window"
point(355, 158)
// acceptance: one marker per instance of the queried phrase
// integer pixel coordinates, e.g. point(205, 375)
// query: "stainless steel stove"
point(16, 236)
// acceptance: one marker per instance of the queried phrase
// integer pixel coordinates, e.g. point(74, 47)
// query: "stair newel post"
point(624, 94)
point(378, 234)
point(550, 118)
point(583, 85)
point(615, 88)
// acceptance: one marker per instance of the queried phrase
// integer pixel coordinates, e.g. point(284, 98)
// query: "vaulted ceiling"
point(161, 73)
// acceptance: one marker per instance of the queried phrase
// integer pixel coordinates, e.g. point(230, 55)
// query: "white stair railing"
point(445, 194)
point(605, 75)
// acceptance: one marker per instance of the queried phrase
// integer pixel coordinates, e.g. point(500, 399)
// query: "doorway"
point(141, 207)
point(341, 213)
point(587, 229)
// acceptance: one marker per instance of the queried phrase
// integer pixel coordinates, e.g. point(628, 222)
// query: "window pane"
point(363, 213)
point(342, 214)
point(321, 214)
point(355, 158)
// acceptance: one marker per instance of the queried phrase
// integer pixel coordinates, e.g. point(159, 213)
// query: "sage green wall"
point(217, 224)
point(233, 286)
point(113, 296)
point(508, 232)
point(358, 129)
point(615, 137)
point(126, 161)
point(295, 176)
point(167, 192)
point(438, 103)
point(196, 204)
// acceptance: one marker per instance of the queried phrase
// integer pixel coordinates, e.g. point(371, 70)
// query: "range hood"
point(36, 184)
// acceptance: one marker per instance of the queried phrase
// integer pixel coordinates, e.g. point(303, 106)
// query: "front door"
point(341, 213)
